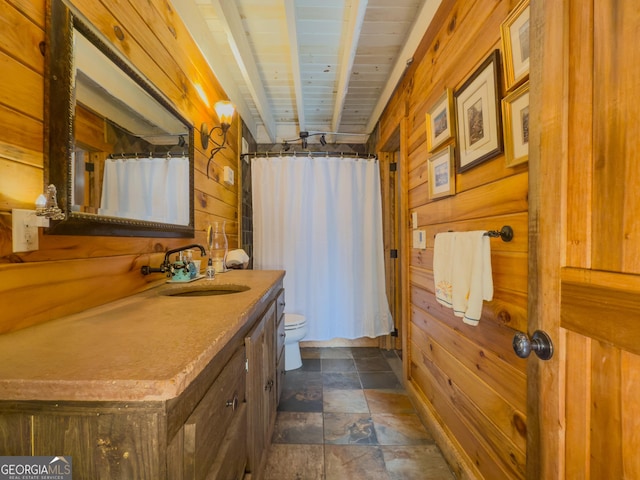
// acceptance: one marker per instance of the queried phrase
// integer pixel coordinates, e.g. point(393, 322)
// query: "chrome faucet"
point(166, 266)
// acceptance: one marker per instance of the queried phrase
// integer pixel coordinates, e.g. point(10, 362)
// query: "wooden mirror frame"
point(59, 133)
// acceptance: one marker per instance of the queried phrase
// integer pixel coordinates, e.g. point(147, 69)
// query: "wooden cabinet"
point(219, 427)
point(128, 441)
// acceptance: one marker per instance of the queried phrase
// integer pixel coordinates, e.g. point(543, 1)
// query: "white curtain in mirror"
point(320, 219)
point(153, 189)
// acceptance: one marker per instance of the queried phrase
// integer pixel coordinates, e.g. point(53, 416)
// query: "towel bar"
point(505, 233)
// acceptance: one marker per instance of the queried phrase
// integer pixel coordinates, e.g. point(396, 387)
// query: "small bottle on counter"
point(211, 273)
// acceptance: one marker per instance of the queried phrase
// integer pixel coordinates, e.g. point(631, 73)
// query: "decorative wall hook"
point(47, 205)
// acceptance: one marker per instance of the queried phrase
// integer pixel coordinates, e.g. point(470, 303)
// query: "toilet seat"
point(293, 321)
point(295, 329)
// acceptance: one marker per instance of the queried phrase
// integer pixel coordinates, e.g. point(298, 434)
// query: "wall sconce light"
point(225, 111)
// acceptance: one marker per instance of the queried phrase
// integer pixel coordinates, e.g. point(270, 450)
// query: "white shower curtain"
point(320, 219)
point(154, 189)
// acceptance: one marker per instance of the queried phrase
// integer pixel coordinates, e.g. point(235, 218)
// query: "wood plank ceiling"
point(321, 66)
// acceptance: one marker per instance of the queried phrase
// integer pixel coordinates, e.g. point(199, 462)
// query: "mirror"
point(119, 153)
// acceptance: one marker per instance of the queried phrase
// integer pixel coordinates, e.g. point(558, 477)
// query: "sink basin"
point(205, 290)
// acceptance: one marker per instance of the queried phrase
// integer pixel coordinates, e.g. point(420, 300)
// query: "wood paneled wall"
point(466, 381)
point(71, 273)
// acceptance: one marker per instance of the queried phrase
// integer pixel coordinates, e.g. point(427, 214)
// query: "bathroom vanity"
point(178, 382)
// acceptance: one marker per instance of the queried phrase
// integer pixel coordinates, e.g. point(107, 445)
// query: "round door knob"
point(540, 344)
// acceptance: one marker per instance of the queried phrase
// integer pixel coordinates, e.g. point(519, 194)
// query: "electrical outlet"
point(24, 230)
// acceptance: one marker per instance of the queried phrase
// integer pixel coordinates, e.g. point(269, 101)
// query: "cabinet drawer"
point(280, 373)
point(205, 429)
point(280, 304)
point(280, 335)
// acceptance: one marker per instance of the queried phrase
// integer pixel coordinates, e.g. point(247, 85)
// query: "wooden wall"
point(71, 273)
point(467, 382)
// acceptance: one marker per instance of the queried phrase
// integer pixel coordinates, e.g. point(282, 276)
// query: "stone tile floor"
point(344, 415)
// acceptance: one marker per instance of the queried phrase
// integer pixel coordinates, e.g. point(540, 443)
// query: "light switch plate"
point(419, 239)
point(414, 220)
point(228, 176)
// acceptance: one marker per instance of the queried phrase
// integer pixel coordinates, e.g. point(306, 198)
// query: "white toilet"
point(295, 329)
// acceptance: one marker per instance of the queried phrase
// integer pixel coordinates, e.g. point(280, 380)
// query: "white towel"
point(443, 253)
point(462, 273)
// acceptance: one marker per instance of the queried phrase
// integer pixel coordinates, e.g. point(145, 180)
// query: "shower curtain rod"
point(136, 155)
point(364, 156)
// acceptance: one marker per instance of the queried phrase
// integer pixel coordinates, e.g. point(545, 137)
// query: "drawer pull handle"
point(233, 403)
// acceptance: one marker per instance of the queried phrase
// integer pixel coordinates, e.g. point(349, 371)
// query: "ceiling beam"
point(239, 44)
point(410, 46)
point(292, 32)
point(197, 26)
point(351, 35)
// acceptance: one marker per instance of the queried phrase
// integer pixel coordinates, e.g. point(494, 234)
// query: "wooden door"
point(584, 276)
point(390, 215)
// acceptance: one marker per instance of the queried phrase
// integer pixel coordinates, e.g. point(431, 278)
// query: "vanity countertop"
point(145, 347)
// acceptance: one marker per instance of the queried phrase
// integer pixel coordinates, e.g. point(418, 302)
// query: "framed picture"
point(515, 45)
point(439, 125)
point(441, 174)
point(477, 105)
point(515, 115)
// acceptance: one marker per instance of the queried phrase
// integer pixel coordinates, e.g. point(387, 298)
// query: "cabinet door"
point(105, 443)
point(260, 348)
point(213, 418)
point(15, 434)
point(279, 341)
point(270, 365)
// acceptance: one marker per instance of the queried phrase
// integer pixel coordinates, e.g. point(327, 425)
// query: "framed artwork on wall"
point(477, 105)
point(515, 115)
point(439, 123)
point(441, 174)
point(515, 45)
